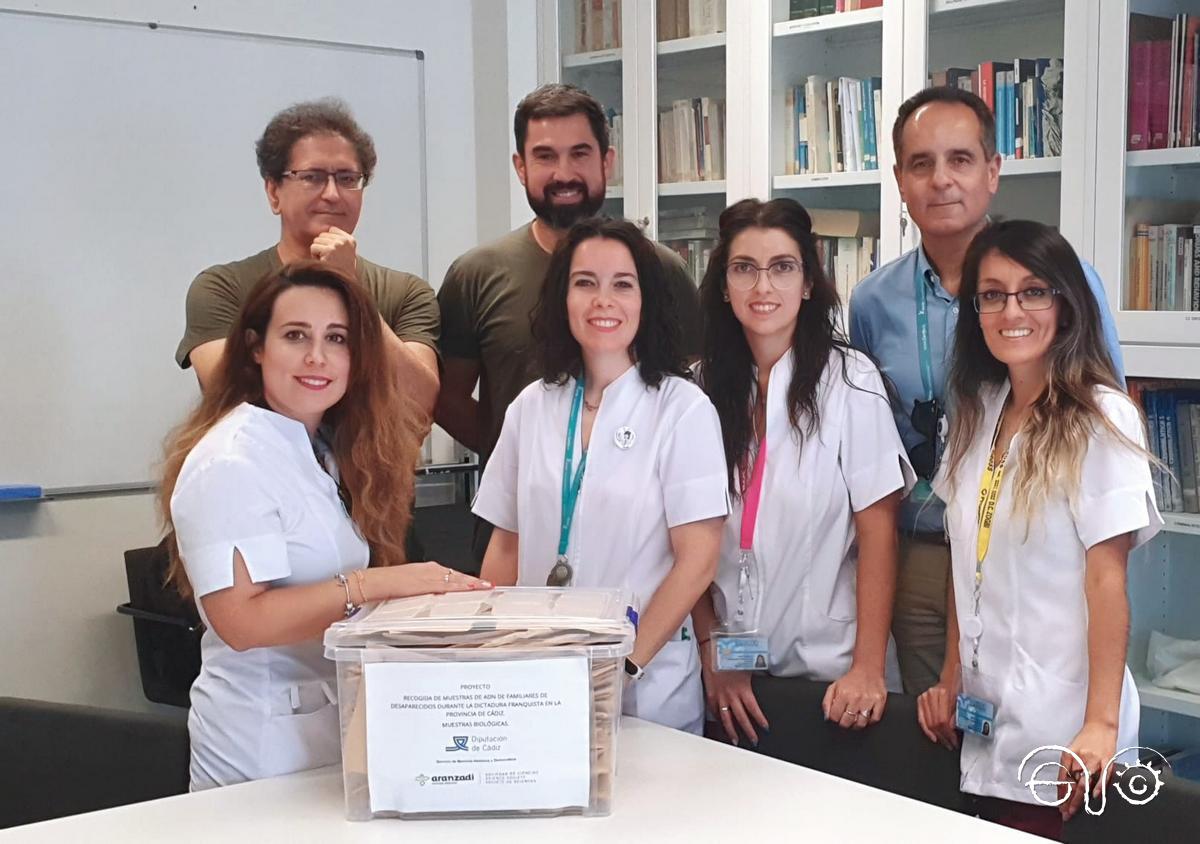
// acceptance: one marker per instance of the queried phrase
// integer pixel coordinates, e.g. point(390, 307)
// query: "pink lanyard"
point(752, 497)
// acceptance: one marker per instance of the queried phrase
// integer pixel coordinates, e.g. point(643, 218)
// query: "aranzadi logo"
point(1136, 784)
point(443, 779)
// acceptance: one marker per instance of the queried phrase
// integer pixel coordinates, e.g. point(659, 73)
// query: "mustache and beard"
point(563, 216)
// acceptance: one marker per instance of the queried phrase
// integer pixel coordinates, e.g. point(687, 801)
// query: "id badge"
point(975, 716)
point(739, 651)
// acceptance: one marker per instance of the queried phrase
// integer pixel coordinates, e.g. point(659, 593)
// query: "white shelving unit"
point(1089, 192)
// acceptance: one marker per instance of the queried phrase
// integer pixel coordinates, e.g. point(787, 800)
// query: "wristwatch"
point(635, 671)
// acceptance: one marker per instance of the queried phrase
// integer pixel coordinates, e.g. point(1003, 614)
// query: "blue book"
point(19, 492)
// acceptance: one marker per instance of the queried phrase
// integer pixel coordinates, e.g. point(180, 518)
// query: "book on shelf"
point(692, 233)
point(688, 18)
point(691, 141)
point(1164, 268)
point(847, 245)
point(1164, 69)
point(597, 25)
point(811, 8)
point(1172, 411)
point(831, 125)
point(1025, 96)
point(616, 143)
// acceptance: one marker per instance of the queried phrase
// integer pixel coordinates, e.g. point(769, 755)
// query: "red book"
point(1139, 95)
point(870, 4)
point(987, 84)
point(1160, 93)
point(1187, 122)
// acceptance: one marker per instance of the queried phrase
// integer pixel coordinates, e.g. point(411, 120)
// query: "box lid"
point(517, 618)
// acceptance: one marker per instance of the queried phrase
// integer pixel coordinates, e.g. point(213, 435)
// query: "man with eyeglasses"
point(905, 313)
point(315, 161)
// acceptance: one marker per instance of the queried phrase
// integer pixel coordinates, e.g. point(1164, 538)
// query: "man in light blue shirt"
point(905, 314)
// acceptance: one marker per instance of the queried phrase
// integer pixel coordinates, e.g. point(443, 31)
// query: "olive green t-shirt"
point(406, 302)
point(486, 302)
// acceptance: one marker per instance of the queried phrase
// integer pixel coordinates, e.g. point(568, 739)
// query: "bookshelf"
point(1095, 191)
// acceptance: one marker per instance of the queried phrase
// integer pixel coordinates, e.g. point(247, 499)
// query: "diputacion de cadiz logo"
point(1137, 784)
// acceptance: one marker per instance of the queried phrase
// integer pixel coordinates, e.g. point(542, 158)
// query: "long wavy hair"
point(376, 428)
point(727, 364)
point(1067, 413)
point(657, 348)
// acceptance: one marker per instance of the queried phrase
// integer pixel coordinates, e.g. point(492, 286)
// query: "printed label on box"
point(478, 736)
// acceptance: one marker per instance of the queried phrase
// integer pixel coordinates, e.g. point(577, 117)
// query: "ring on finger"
point(446, 576)
point(724, 708)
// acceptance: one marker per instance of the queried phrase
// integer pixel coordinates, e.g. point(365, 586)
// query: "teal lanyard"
point(571, 484)
point(923, 332)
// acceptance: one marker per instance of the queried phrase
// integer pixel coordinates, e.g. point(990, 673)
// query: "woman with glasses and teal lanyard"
point(609, 470)
point(816, 471)
point(1047, 487)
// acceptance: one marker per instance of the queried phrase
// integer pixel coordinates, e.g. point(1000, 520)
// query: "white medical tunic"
point(672, 473)
point(253, 484)
point(1033, 654)
point(802, 591)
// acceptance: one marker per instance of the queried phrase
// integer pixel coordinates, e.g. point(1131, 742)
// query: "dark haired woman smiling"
point(609, 470)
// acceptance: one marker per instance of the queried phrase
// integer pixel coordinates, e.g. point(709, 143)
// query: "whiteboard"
point(129, 167)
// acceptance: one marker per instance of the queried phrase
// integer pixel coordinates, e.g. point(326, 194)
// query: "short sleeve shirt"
point(486, 301)
point(405, 301)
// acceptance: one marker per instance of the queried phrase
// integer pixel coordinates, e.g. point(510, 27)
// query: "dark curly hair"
point(328, 116)
point(727, 365)
point(657, 346)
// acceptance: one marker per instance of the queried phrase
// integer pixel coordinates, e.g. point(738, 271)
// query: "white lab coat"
point(805, 543)
point(673, 474)
point(252, 483)
point(1033, 656)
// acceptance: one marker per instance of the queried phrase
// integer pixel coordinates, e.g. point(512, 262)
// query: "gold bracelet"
point(362, 591)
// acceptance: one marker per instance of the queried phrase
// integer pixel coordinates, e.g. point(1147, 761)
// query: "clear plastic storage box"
point(482, 704)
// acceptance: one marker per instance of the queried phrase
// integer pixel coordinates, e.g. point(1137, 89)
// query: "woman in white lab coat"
point(816, 469)
point(609, 471)
point(302, 427)
point(1047, 488)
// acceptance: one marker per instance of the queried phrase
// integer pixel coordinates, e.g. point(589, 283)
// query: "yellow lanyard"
point(989, 495)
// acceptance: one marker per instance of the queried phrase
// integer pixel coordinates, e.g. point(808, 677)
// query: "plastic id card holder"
point(975, 716)
point(739, 651)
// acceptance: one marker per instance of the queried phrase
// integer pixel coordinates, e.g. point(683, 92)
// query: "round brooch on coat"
point(624, 438)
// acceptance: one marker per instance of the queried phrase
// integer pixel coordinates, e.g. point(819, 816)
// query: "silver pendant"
point(561, 573)
point(624, 438)
point(972, 627)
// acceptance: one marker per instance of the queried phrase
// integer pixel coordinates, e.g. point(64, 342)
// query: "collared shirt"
point(883, 323)
point(1033, 654)
point(803, 588)
point(253, 484)
point(667, 470)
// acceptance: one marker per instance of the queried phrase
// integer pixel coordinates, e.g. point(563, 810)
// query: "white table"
point(670, 786)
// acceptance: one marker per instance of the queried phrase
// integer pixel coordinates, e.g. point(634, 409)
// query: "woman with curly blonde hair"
point(293, 476)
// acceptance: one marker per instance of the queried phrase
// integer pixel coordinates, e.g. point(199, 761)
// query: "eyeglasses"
point(929, 421)
point(1030, 299)
point(315, 180)
point(783, 275)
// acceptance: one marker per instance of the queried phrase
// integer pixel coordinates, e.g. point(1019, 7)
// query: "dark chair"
point(166, 628)
point(893, 755)
point(1173, 815)
point(57, 759)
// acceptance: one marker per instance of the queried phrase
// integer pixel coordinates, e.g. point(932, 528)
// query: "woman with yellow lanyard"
point(1047, 487)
